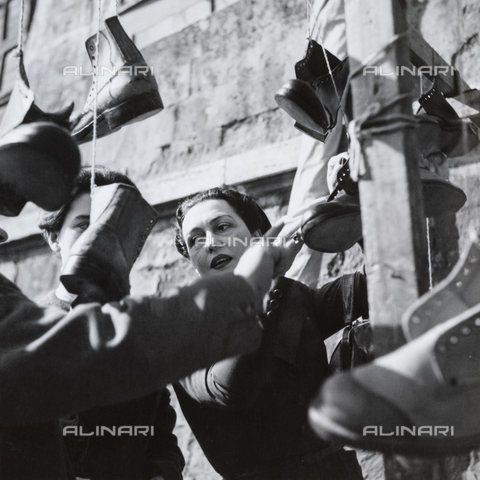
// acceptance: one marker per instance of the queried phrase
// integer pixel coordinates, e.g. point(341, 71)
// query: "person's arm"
point(234, 383)
point(329, 303)
point(165, 459)
point(52, 363)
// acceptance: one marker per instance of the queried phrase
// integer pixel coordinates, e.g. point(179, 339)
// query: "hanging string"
point(309, 13)
point(95, 101)
point(19, 51)
point(430, 268)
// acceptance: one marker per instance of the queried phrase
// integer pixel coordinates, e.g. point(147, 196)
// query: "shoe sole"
point(332, 233)
point(421, 446)
point(458, 292)
point(133, 110)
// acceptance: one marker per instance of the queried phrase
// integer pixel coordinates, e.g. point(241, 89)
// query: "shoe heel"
point(90, 279)
point(123, 41)
point(134, 110)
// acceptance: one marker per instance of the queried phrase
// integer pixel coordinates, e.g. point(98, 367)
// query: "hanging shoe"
point(300, 101)
point(315, 69)
point(38, 163)
point(335, 225)
point(421, 399)
point(127, 91)
point(441, 129)
point(315, 117)
point(459, 291)
point(101, 259)
point(22, 109)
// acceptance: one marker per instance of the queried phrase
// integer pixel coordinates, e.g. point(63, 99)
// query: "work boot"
point(300, 101)
point(127, 91)
point(38, 163)
point(100, 261)
point(315, 118)
point(421, 399)
point(441, 129)
point(335, 225)
point(459, 291)
point(22, 109)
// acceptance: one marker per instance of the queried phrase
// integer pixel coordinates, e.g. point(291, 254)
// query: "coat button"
point(277, 293)
point(271, 315)
point(273, 304)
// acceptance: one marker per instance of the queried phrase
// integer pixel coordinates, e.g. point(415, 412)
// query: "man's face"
point(76, 222)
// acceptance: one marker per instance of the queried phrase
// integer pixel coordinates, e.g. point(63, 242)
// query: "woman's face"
point(209, 229)
point(75, 223)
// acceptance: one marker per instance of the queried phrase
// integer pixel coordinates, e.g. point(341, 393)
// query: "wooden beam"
point(390, 194)
point(423, 55)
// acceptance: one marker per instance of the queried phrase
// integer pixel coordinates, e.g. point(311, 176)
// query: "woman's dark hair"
point(51, 222)
point(247, 209)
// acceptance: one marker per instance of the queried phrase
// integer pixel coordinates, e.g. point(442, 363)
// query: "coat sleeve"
point(165, 459)
point(232, 384)
point(329, 303)
point(52, 363)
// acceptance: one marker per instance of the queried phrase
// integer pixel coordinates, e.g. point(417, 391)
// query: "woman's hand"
point(270, 257)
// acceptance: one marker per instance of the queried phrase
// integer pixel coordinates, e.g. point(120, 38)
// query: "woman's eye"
point(82, 226)
point(192, 241)
point(222, 227)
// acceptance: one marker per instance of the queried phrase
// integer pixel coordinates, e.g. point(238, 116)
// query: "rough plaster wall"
point(217, 80)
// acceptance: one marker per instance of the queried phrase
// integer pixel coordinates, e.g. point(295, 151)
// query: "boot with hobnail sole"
point(38, 163)
point(422, 399)
point(100, 260)
point(459, 291)
point(126, 92)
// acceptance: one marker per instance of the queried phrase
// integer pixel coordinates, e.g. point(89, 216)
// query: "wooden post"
point(390, 194)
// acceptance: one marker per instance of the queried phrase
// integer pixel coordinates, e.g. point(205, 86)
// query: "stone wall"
point(220, 125)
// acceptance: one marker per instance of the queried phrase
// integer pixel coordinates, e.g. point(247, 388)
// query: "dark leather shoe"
point(127, 91)
point(458, 292)
point(329, 87)
point(421, 399)
point(315, 116)
point(300, 101)
point(101, 259)
point(441, 129)
point(38, 163)
point(335, 225)
point(22, 109)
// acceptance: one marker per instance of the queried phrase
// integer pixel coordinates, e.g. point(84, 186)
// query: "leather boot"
point(442, 130)
point(335, 225)
point(38, 163)
point(300, 101)
point(101, 259)
point(127, 91)
point(22, 109)
point(421, 399)
point(330, 88)
point(315, 117)
point(458, 292)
